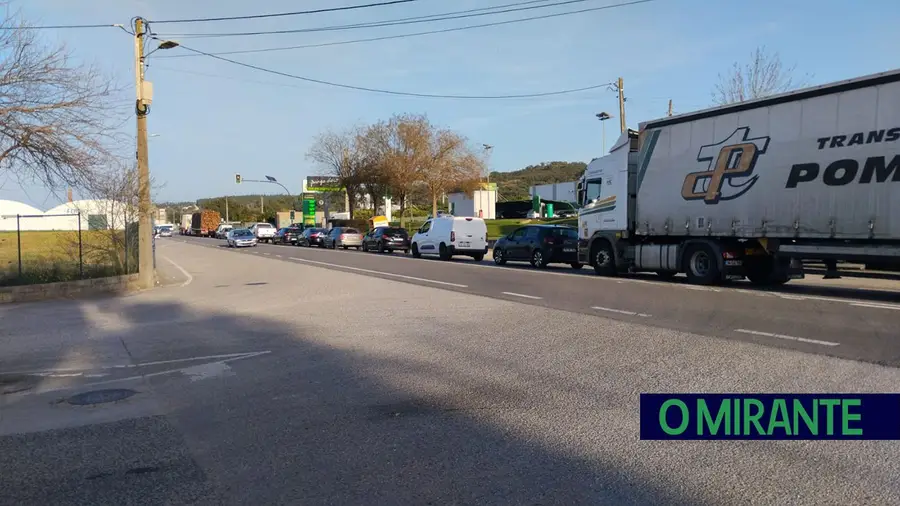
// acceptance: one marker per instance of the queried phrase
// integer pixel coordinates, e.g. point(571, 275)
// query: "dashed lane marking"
point(786, 337)
point(382, 273)
point(876, 305)
point(620, 311)
point(522, 295)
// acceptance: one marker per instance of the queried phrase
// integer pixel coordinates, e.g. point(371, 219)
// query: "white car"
point(222, 231)
point(447, 236)
point(240, 237)
point(264, 232)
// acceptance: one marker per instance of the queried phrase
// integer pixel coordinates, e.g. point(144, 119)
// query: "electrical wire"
point(378, 24)
point(284, 14)
point(58, 27)
point(392, 92)
point(413, 34)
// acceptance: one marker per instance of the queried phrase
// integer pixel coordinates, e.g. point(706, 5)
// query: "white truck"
point(750, 190)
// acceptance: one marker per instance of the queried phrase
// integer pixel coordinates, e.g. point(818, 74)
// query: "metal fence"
point(46, 248)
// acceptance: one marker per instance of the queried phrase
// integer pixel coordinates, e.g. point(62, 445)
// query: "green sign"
point(309, 212)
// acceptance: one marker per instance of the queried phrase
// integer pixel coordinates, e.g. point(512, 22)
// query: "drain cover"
point(100, 396)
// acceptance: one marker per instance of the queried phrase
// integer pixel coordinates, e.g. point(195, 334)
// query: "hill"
point(514, 185)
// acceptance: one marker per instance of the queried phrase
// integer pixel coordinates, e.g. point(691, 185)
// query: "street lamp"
point(603, 116)
point(271, 179)
point(487, 153)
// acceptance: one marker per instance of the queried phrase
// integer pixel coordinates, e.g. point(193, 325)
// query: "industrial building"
point(95, 215)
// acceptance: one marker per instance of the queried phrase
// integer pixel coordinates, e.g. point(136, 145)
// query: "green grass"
point(54, 256)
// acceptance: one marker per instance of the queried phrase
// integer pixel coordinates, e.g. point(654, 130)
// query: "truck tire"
point(444, 252)
point(701, 265)
point(603, 259)
point(763, 272)
point(666, 275)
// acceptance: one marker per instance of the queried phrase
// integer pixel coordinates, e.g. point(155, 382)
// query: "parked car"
point(447, 236)
point(165, 230)
point(264, 232)
point(312, 237)
point(343, 237)
point(386, 239)
point(540, 245)
point(287, 235)
point(241, 237)
point(223, 230)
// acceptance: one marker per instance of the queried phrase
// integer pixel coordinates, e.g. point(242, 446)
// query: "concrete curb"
point(69, 289)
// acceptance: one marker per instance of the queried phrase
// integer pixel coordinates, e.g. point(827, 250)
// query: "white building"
point(480, 204)
point(559, 192)
point(95, 215)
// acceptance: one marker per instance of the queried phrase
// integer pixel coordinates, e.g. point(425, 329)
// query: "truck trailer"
point(751, 190)
point(204, 223)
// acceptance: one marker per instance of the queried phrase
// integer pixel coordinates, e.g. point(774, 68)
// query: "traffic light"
point(292, 215)
point(237, 178)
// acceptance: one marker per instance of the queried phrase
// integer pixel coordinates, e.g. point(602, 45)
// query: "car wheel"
point(415, 251)
point(444, 252)
point(381, 247)
point(499, 257)
point(478, 257)
point(538, 260)
point(365, 248)
point(343, 247)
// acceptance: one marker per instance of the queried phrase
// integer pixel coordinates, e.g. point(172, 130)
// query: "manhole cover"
point(100, 396)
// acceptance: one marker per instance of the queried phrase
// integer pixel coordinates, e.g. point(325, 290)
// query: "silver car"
point(343, 237)
point(240, 237)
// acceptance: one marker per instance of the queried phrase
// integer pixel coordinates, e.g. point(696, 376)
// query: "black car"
point(287, 235)
point(540, 245)
point(386, 239)
point(312, 237)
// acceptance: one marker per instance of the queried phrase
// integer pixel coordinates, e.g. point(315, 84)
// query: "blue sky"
point(214, 119)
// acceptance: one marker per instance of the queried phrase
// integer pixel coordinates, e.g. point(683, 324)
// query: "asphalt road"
point(253, 380)
point(825, 317)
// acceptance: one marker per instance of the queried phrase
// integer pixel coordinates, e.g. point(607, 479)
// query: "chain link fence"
point(47, 248)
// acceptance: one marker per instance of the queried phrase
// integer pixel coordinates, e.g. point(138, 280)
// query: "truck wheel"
point(415, 251)
point(763, 272)
point(701, 266)
point(576, 265)
point(538, 260)
point(603, 259)
point(666, 275)
point(444, 253)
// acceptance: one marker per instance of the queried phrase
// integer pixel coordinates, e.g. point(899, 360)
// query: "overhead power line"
point(415, 34)
point(378, 24)
point(59, 27)
point(392, 92)
point(285, 14)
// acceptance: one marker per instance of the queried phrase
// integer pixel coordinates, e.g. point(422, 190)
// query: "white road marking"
point(876, 305)
point(267, 254)
point(370, 271)
point(620, 311)
point(789, 338)
point(207, 371)
point(279, 256)
point(228, 356)
point(186, 273)
point(522, 295)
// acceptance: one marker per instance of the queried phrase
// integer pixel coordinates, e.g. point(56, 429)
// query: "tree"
point(404, 144)
point(55, 116)
point(763, 76)
point(449, 164)
point(338, 154)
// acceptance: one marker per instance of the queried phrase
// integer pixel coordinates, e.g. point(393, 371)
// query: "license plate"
point(569, 250)
point(463, 245)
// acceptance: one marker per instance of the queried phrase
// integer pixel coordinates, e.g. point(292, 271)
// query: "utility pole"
point(145, 246)
point(670, 107)
point(621, 87)
point(226, 210)
point(262, 210)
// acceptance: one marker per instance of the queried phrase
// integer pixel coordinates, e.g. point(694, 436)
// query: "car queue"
point(444, 236)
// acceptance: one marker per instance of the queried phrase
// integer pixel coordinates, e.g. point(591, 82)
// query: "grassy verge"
point(53, 256)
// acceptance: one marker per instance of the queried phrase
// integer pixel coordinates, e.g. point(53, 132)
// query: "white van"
point(446, 236)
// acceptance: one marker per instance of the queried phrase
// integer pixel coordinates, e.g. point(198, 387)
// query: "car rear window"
point(569, 233)
point(264, 225)
point(350, 231)
point(396, 231)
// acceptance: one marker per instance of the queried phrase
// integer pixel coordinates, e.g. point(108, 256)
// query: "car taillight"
point(341, 236)
point(452, 236)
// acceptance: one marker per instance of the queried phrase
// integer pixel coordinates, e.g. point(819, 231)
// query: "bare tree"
point(338, 154)
point(56, 121)
point(763, 76)
point(449, 165)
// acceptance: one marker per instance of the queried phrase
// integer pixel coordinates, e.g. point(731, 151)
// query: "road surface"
point(811, 316)
point(253, 379)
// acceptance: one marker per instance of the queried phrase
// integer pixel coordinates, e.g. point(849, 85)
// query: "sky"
point(211, 119)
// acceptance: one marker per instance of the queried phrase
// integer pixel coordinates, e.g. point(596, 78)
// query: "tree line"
point(399, 157)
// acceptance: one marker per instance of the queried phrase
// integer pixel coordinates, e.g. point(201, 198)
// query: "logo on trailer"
point(730, 161)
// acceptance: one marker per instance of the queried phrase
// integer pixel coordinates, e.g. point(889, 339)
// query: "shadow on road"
point(308, 423)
